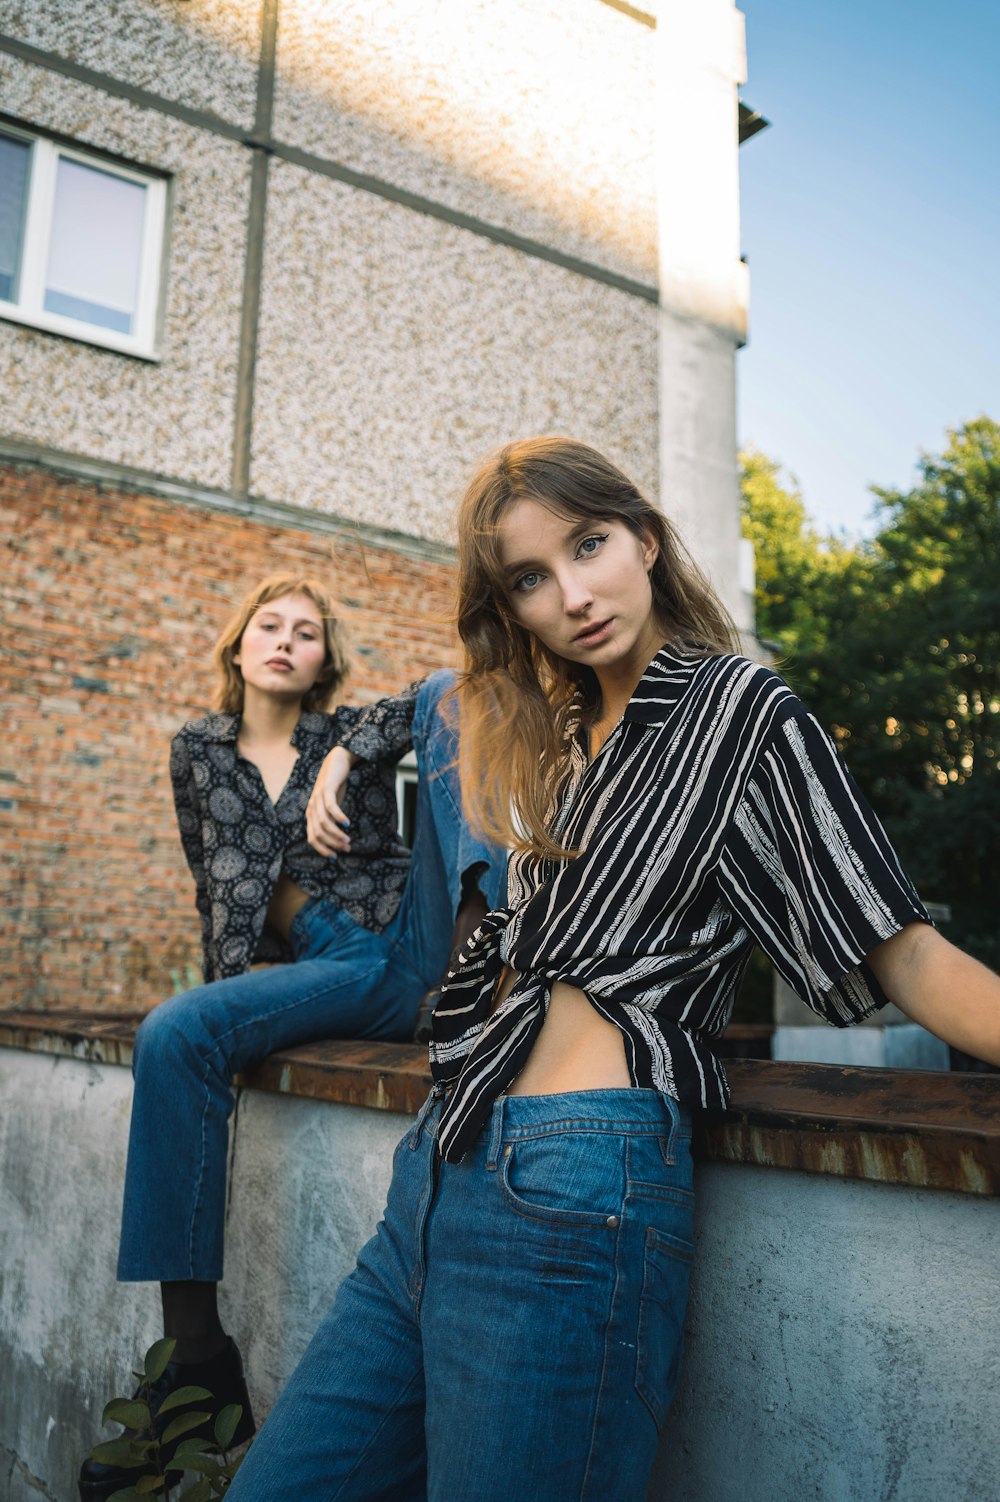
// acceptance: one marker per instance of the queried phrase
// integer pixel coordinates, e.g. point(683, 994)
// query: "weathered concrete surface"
point(843, 1338)
point(843, 1344)
point(309, 1183)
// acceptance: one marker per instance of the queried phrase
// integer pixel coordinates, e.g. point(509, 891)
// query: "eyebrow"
point(303, 620)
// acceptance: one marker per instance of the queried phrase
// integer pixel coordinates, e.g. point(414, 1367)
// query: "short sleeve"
point(808, 867)
point(384, 730)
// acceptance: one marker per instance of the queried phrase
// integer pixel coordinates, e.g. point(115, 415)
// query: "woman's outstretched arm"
point(942, 988)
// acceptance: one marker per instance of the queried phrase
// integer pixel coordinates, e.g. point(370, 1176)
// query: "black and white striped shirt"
point(716, 816)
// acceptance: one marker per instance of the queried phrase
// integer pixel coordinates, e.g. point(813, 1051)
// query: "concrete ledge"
point(843, 1335)
point(918, 1128)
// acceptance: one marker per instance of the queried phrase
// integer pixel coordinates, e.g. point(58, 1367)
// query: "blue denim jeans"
point(513, 1329)
point(345, 982)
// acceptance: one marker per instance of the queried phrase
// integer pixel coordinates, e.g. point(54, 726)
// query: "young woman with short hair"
point(361, 931)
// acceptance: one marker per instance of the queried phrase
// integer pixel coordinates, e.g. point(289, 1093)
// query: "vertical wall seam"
point(253, 271)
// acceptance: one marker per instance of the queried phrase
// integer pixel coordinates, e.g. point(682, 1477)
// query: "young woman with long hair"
point(514, 1327)
point(361, 931)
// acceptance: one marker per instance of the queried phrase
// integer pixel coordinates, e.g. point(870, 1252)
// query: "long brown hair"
point(519, 702)
point(229, 687)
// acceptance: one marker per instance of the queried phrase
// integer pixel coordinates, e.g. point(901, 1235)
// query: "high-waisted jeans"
point(513, 1329)
point(345, 982)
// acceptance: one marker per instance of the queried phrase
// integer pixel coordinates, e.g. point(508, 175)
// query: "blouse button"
point(612, 1221)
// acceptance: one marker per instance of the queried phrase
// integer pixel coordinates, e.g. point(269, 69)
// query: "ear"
point(650, 551)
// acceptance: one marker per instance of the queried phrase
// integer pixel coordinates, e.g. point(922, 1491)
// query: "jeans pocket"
point(576, 1178)
point(666, 1275)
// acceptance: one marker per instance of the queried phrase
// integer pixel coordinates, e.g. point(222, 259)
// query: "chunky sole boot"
point(222, 1376)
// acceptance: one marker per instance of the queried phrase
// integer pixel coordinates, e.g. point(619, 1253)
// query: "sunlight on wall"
point(551, 105)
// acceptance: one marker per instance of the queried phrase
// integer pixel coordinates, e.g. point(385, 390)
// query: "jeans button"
point(612, 1221)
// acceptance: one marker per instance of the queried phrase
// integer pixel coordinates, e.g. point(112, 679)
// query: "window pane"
point(13, 182)
point(95, 246)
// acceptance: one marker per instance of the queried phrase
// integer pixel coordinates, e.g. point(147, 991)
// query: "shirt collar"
point(662, 685)
point(225, 728)
point(218, 727)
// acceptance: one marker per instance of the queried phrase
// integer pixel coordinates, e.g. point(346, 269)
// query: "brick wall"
point(111, 602)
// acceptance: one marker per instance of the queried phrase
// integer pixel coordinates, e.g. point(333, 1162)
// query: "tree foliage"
point(895, 644)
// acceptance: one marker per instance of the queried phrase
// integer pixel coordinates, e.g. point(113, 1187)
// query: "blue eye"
point(527, 582)
point(590, 545)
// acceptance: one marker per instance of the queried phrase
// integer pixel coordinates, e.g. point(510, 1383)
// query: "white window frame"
point(406, 777)
point(29, 308)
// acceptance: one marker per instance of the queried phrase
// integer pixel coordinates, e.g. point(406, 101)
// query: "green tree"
point(896, 646)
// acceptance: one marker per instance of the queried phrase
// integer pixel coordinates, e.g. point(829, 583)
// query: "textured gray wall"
point(843, 1345)
point(843, 1338)
point(394, 349)
point(175, 417)
point(537, 117)
point(202, 52)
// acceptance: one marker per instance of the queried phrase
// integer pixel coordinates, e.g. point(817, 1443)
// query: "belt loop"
point(496, 1138)
point(417, 1128)
point(673, 1123)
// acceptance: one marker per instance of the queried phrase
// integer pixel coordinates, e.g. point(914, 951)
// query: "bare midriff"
point(286, 899)
point(577, 1048)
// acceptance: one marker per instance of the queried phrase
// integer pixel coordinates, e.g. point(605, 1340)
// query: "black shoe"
point(221, 1375)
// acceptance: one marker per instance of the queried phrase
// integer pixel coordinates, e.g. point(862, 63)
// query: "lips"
point(593, 634)
point(279, 662)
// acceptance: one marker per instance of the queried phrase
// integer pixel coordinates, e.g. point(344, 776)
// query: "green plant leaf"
point(183, 1425)
point(181, 1395)
point(195, 1460)
point(189, 1446)
point(127, 1453)
point(225, 1424)
point(156, 1358)
point(129, 1494)
point(201, 1491)
point(131, 1412)
point(147, 1486)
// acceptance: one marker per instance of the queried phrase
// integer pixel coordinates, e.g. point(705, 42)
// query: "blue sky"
point(871, 222)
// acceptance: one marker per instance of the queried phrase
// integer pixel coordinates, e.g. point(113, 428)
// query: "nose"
point(577, 596)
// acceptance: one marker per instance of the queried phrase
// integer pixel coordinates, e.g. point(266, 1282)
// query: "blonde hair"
point(229, 689)
point(519, 703)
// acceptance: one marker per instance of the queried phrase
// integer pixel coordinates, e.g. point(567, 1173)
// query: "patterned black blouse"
point(238, 842)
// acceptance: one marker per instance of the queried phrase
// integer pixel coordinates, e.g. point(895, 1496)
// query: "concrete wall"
point(395, 348)
point(704, 286)
point(842, 1337)
point(174, 417)
point(335, 338)
point(539, 117)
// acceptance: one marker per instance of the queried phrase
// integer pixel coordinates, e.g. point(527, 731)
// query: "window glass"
point(95, 246)
point(13, 184)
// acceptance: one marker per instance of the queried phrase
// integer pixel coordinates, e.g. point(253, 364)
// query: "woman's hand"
point(326, 822)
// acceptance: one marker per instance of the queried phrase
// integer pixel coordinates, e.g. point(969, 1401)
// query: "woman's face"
point(582, 587)
point(282, 649)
